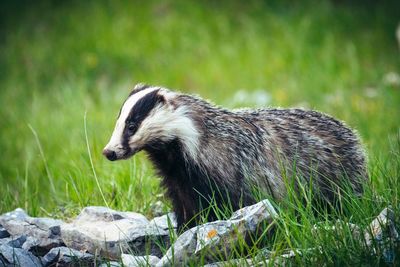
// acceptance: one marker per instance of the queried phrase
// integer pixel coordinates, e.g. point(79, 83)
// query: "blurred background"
point(60, 60)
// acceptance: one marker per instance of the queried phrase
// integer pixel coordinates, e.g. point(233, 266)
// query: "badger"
point(208, 154)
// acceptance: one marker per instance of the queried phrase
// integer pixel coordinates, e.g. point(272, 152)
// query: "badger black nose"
point(110, 155)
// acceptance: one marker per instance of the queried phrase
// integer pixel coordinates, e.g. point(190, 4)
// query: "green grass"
point(60, 61)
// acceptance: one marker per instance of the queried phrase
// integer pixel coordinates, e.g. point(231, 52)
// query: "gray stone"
point(340, 228)
point(181, 250)
point(17, 257)
point(381, 228)
point(157, 208)
point(3, 232)
point(243, 222)
point(110, 233)
point(263, 254)
point(136, 261)
point(164, 222)
point(40, 247)
point(218, 237)
point(63, 256)
point(111, 264)
point(382, 235)
point(42, 233)
point(15, 242)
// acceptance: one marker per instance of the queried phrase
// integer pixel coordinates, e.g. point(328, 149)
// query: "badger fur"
point(204, 152)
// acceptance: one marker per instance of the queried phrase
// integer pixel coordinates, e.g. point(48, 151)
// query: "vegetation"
point(66, 68)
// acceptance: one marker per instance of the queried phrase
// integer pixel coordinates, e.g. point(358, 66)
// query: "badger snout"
point(110, 154)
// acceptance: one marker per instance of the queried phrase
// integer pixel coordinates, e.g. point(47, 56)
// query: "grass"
point(63, 62)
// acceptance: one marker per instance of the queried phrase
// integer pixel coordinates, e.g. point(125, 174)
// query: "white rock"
point(382, 235)
point(137, 261)
point(164, 222)
point(111, 264)
point(42, 233)
point(381, 228)
point(110, 233)
point(220, 236)
point(182, 249)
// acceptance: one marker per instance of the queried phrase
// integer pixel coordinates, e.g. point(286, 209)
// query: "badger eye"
point(131, 127)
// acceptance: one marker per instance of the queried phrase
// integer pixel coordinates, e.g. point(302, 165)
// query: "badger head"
point(150, 116)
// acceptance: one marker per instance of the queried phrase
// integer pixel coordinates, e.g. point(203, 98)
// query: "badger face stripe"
point(130, 112)
point(138, 113)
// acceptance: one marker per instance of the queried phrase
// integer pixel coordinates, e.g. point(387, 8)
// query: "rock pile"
point(101, 236)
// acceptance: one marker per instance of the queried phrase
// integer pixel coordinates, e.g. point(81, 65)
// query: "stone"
point(63, 256)
point(129, 260)
point(218, 237)
point(111, 264)
point(382, 235)
point(381, 227)
point(157, 208)
point(340, 228)
point(181, 250)
point(42, 233)
point(40, 247)
point(110, 233)
point(242, 222)
point(15, 242)
point(164, 222)
point(10, 256)
point(3, 232)
point(263, 254)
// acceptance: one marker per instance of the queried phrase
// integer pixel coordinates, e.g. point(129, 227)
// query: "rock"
point(340, 228)
point(181, 250)
point(382, 227)
point(382, 235)
point(111, 264)
point(242, 222)
point(163, 222)
point(15, 242)
point(3, 232)
point(18, 222)
point(136, 261)
point(10, 256)
point(218, 237)
point(63, 256)
point(110, 233)
point(40, 247)
point(157, 208)
point(263, 254)
point(42, 233)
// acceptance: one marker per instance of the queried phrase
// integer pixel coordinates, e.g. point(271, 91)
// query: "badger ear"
point(169, 98)
point(140, 86)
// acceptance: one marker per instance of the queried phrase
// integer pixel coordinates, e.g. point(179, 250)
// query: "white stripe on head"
point(116, 137)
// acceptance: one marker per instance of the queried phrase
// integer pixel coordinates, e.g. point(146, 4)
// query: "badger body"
point(205, 153)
